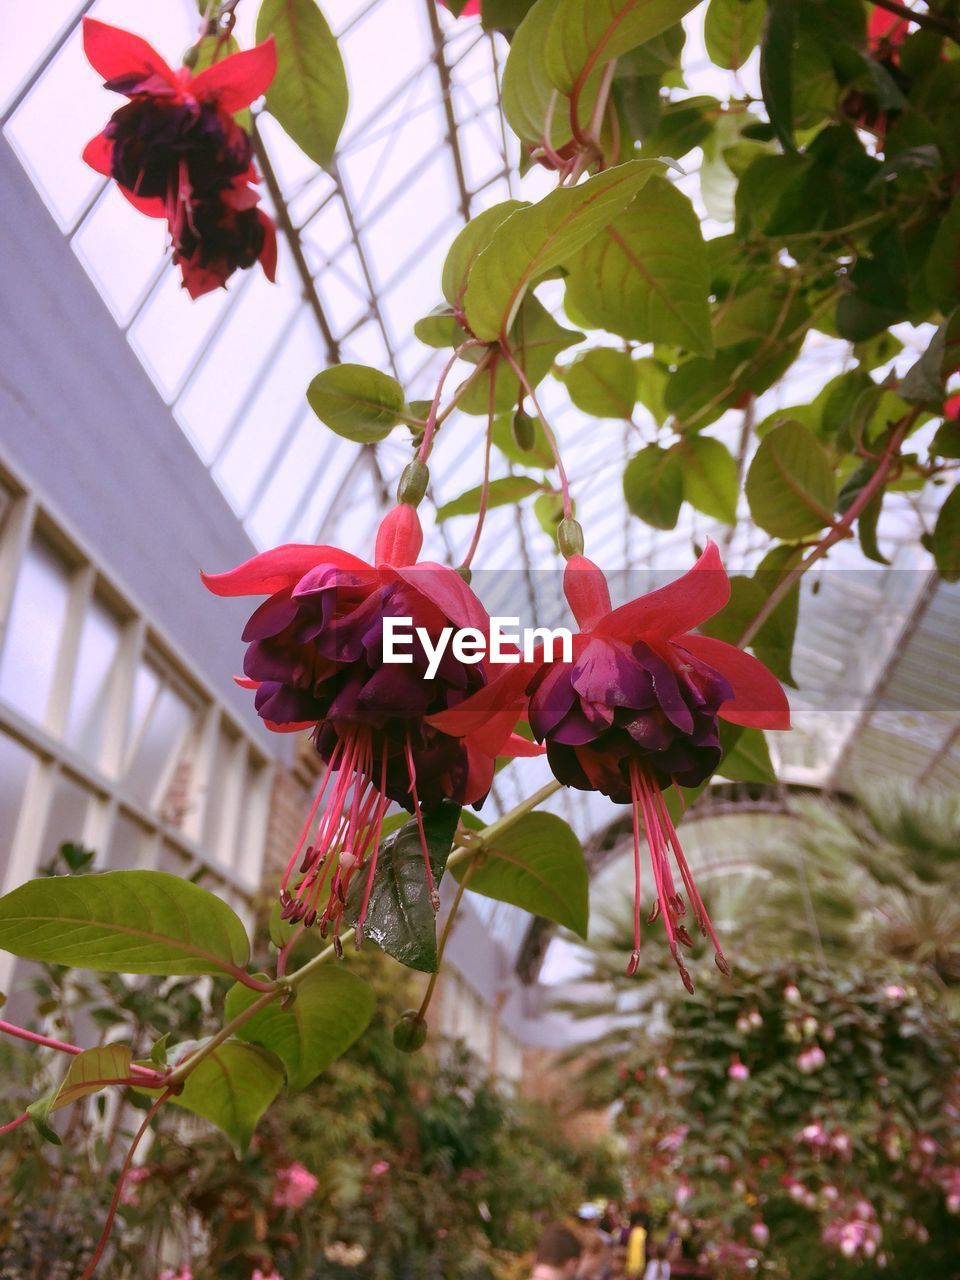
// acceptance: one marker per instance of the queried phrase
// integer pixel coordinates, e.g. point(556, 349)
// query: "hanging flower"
point(294, 1186)
point(636, 712)
point(315, 659)
point(176, 151)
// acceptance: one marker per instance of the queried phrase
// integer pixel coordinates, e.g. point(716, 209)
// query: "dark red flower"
point(636, 712)
point(176, 151)
point(315, 658)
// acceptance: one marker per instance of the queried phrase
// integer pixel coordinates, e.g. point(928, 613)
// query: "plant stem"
point(547, 429)
point(118, 1189)
point(839, 530)
point(181, 1072)
point(426, 444)
point(932, 21)
point(14, 1124)
point(442, 945)
point(463, 853)
point(485, 487)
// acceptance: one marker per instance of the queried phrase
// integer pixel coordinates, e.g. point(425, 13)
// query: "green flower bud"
point(410, 1032)
point(570, 538)
point(524, 430)
point(413, 483)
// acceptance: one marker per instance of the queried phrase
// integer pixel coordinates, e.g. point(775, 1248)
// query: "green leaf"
point(440, 328)
point(534, 240)
point(548, 509)
point(232, 1088)
point(536, 339)
point(469, 244)
point(748, 759)
point(790, 485)
point(400, 915)
point(507, 489)
point(603, 383)
point(651, 383)
point(123, 922)
point(709, 477)
point(645, 276)
point(89, 1072)
point(776, 67)
point(653, 486)
point(332, 1009)
point(946, 443)
point(731, 30)
point(867, 523)
point(308, 96)
point(536, 864)
point(946, 538)
point(592, 32)
point(942, 268)
point(923, 381)
point(356, 402)
point(539, 456)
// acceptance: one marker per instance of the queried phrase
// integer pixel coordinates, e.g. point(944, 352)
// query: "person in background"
point(558, 1255)
point(658, 1268)
point(637, 1244)
point(596, 1262)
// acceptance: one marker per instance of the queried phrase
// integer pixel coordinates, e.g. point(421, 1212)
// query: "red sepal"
point(758, 700)
point(117, 54)
point(275, 570)
point(239, 79)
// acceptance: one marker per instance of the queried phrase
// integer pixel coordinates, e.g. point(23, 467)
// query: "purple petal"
point(665, 686)
point(272, 617)
point(553, 698)
point(607, 672)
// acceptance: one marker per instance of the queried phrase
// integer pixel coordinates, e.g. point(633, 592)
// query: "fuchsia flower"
point(738, 1070)
point(176, 151)
point(315, 659)
point(636, 712)
point(294, 1186)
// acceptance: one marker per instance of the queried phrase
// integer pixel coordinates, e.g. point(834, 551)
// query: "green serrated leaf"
point(747, 758)
point(89, 1072)
point(603, 383)
point(591, 32)
point(653, 486)
point(308, 96)
point(790, 485)
point(645, 275)
point(536, 339)
point(536, 864)
point(232, 1088)
point(331, 1010)
point(400, 916)
point(534, 240)
point(123, 922)
point(357, 402)
point(946, 538)
point(500, 492)
point(709, 477)
point(731, 30)
point(777, 66)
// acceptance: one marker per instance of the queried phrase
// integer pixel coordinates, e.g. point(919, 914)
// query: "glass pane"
point(218, 788)
point(33, 634)
point(99, 642)
point(68, 811)
point(126, 845)
point(14, 769)
point(167, 723)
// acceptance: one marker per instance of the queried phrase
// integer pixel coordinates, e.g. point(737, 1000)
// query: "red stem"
point(426, 444)
point(485, 488)
point(14, 1124)
point(49, 1043)
point(121, 1178)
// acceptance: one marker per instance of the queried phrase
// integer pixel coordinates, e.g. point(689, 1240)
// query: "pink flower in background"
point(738, 1070)
point(294, 1186)
point(131, 1192)
point(811, 1060)
point(263, 1275)
point(760, 1233)
point(894, 993)
point(183, 1274)
point(378, 1169)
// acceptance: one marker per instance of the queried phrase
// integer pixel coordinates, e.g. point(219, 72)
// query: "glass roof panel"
point(234, 366)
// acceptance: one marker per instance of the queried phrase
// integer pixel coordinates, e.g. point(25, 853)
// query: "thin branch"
point(932, 21)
